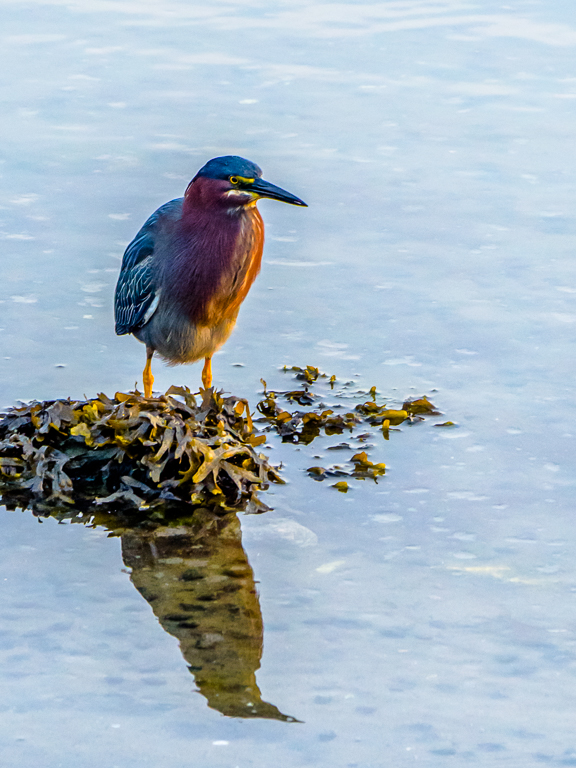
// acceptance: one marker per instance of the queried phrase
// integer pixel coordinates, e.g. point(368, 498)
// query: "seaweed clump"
point(148, 461)
point(133, 456)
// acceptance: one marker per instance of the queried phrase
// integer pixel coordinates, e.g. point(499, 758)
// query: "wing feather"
point(137, 296)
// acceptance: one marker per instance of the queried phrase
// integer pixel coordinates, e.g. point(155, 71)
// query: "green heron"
point(189, 268)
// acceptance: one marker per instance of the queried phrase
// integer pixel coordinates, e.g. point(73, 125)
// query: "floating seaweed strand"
point(305, 426)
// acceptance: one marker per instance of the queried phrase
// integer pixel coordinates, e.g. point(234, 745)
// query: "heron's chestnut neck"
point(215, 251)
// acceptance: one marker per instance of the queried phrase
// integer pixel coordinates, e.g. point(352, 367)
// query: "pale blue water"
point(429, 619)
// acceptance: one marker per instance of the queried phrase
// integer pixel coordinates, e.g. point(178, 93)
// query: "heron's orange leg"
point(147, 375)
point(207, 373)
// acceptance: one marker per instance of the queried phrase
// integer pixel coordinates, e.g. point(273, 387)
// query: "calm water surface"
point(429, 619)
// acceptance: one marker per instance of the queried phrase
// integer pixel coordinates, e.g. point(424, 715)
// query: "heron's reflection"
point(201, 588)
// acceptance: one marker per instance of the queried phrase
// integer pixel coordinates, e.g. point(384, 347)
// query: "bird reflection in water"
point(201, 588)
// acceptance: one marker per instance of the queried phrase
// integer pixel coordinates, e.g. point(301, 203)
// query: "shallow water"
point(427, 619)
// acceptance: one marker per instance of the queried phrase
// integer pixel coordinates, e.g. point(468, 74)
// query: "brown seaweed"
point(142, 459)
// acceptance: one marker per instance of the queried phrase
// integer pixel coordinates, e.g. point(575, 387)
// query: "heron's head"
point(233, 182)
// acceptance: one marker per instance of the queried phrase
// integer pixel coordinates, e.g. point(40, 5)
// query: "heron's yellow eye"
point(240, 180)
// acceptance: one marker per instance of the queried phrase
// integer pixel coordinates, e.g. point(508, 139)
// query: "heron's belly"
point(178, 340)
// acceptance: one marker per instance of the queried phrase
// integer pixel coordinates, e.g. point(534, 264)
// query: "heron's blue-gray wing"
point(136, 295)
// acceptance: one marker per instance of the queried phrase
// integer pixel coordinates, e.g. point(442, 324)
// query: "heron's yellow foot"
point(207, 373)
point(148, 378)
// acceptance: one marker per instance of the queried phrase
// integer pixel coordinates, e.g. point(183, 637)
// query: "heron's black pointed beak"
point(265, 189)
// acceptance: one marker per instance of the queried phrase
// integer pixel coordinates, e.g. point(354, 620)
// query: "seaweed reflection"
point(201, 588)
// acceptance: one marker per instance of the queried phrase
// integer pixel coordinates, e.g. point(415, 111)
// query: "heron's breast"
point(244, 266)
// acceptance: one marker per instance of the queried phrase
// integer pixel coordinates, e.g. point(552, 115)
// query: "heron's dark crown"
point(229, 165)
